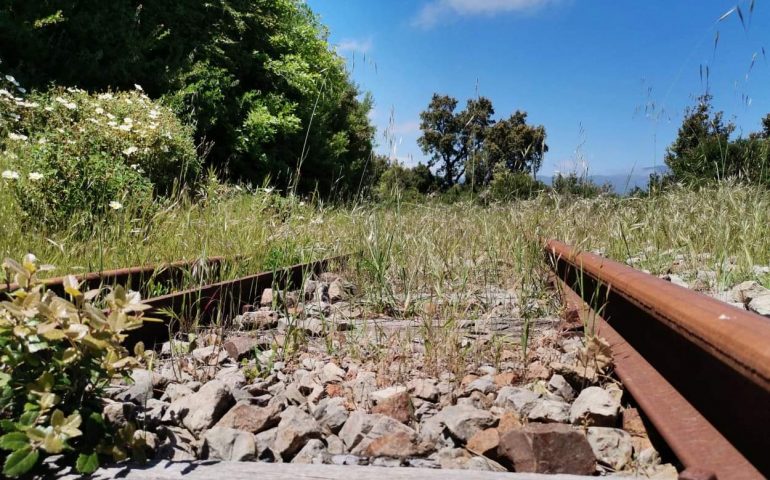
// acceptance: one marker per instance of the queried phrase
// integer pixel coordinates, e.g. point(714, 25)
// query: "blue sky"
point(609, 80)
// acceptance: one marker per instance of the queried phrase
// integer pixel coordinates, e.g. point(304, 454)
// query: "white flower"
point(138, 87)
point(128, 120)
point(12, 80)
point(35, 176)
point(268, 189)
point(125, 127)
point(99, 110)
point(10, 175)
point(71, 106)
point(21, 89)
point(105, 96)
point(49, 109)
point(5, 93)
point(17, 136)
point(42, 141)
point(115, 205)
point(130, 151)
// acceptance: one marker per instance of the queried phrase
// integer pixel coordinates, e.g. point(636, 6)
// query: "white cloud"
point(438, 10)
point(355, 45)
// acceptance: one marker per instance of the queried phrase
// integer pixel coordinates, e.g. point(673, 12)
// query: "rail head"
point(739, 338)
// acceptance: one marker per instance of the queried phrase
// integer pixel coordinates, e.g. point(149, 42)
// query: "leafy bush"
point(56, 358)
point(401, 180)
point(257, 78)
point(507, 185)
point(76, 152)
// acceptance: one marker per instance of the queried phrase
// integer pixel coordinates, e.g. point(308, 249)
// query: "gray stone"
point(547, 448)
point(484, 385)
point(210, 356)
point(745, 292)
point(331, 413)
point(331, 373)
point(266, 444)
point(612, 447)
point(228, 444)
point(547, 411)
point(250, 418)
point(294, 430)
point(202, 409)
point(314, 451)
point(140, 390)
point(150, 416)
point(559, 386)
point(175, 391)
point(464, 421)
point(362, 387)
point(267, 297)
point(118, 414)
point(517, 398)
point(334, 445)
point(760, 304)
point(380, 396)
point(362, 428)
point(595, 407)
point(179, 445)
point(424, 389)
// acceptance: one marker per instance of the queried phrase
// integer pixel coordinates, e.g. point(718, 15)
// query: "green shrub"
point(507, 185)
point(75, 152)
point(56, 358)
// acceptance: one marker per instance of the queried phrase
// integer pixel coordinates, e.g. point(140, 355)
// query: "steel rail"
point(133, 278)
point(219, 302)
point(699, 368)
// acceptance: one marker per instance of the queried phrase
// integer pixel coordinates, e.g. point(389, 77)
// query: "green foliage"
point(257, 79)
point(704, 152)
point(75, 152)
point(507, 185)
point(470, 144)
point(57, 356)
point(399, 180)
point(578, 186)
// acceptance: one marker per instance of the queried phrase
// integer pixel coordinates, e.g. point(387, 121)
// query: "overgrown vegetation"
point(705, 152)
point(257, 80)
point(56, 358)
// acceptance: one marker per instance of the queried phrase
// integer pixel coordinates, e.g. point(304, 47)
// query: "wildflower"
point(12, 80)
point(5, 93)
point(116, 205)
point(49, 109)
point(138, 87)
point(10, 175)
point(268, 189)
point(17, 136)
point(130, 151)
point(21, 89)
point(105, 96)
point(128, 120)
point(41, 141)
point(99, 110)
point(35, 176)
point(125, 127)
point(71, 106)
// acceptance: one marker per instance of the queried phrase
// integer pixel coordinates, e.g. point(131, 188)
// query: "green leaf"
point(20, 461)
point(28, 419)
point(14, 441)
point(87, 463)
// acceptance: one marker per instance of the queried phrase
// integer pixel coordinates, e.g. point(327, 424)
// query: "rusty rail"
point(699, 368)
point(219, 302)
point(135, 278)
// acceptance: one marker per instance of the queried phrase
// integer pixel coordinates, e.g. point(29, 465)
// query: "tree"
point(257, 78)
point(702, 148)
point(515, 145)
point(470, 144)
point(441, 138)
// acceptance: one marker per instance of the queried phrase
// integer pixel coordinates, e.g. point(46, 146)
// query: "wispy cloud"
point(355, 45)
point(439, 10)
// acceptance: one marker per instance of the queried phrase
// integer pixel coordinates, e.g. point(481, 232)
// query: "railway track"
point(137, 278)
point(697, 367)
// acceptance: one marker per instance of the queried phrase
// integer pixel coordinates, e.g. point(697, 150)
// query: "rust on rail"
point(135, 278)
point(219, 302)
point(699, 368)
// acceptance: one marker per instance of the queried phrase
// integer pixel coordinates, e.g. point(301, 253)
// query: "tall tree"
point(471, 143)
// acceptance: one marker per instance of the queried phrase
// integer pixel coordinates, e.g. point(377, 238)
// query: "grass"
point(427, 262)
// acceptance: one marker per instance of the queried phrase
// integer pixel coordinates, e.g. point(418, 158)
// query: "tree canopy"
point(470, 144)
point(257, 78)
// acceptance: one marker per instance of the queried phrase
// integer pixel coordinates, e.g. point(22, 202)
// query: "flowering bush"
point(56, 357)
point(67, 151)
